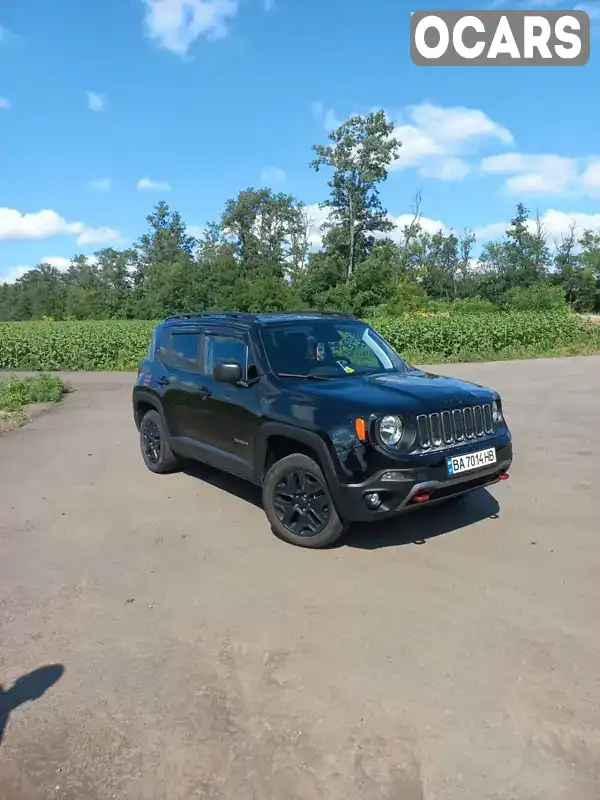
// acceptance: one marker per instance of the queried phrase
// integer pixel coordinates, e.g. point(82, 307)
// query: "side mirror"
point(230, 372)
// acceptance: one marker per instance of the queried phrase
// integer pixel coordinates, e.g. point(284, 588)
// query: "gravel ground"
point(449, 654)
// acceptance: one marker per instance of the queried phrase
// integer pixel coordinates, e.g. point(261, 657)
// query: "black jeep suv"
point(321, 412)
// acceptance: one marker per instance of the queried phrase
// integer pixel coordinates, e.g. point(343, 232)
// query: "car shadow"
point(414, 527)
point(28, 687)
point(422, 524)
point(223, 480)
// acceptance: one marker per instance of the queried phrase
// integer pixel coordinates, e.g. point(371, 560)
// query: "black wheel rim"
point(302, 503)
point(151, 442)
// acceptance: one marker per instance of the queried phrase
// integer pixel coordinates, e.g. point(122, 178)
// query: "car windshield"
point(325, 349)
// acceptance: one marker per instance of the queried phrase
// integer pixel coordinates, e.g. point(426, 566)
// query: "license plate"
point(469, 461)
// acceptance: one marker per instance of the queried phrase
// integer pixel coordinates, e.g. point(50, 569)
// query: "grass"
point(121, 345)
point(18, 395)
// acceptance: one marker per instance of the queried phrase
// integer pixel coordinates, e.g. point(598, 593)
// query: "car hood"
point(414, 391)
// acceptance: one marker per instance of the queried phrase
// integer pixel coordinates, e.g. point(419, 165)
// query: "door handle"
point(163, 381)
point(204, 392)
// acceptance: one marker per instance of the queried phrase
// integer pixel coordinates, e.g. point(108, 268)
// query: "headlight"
point(496, 412)
point(390, 430)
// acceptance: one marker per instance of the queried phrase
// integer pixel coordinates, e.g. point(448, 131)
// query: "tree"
point(441, 265)
point(270, 231)
point(260, 255)
point(590, 265)
point(164, 266)
point(361, 150)
point(116, 273)
point(527, 255)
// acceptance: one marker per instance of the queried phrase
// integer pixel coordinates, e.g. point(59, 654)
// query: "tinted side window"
point(184, 351)
point(220, 349)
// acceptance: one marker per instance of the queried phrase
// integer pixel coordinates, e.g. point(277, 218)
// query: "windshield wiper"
point(310, 377)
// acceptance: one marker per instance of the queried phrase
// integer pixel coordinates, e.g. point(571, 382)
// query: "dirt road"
point(452, 654)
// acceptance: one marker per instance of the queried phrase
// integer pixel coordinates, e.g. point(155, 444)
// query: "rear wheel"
point(157, 454)
point(298, 503)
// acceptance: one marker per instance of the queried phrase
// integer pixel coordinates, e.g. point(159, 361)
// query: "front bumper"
point(398, 496)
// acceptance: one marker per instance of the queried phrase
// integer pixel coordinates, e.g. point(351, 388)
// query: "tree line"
point(259, 256)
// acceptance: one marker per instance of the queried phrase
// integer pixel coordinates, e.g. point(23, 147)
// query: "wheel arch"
point(142, 403)
point(277, 440)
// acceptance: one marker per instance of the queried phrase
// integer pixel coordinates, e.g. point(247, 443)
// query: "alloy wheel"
point(302, 503)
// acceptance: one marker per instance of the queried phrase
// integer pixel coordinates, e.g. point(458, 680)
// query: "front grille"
point(444, 428)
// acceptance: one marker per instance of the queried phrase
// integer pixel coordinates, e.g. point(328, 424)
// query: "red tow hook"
point(421, 497)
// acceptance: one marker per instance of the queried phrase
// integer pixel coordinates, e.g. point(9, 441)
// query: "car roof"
point(244, 319)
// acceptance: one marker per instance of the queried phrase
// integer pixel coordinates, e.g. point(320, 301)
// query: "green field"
point(121, 345)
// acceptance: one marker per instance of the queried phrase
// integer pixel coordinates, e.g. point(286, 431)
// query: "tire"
point(157, 455)
point(298, 480)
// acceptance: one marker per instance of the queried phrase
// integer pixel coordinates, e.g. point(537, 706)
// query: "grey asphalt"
point(450, 654)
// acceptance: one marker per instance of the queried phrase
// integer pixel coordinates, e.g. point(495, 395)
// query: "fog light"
point(396, 475)
point(373, 500)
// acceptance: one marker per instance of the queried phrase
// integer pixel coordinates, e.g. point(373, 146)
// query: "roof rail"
point(316, 313)
point(246, 315)
point(224, 314)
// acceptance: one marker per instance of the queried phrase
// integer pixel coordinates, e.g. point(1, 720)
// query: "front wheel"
point(298, 503)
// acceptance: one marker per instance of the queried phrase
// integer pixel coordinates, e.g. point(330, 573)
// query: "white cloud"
point(176, 24)
point(494, 230)
point(546, 174)
point(58, 262)
point(434, 138)
point(271, 175)
point(146, 185)
point(46, 224)
point(40, 225)
point(330, 121)
point(326, 116)
point(100, 185)
point(14, 273)
point(450, 168)
point(427, 224)
point(98, 236)
point(590, 178)
point(317, 216)
point(96, 102)
point(555, 223)
point(4, 104)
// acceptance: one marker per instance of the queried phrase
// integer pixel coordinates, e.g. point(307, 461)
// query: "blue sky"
point(108, 107)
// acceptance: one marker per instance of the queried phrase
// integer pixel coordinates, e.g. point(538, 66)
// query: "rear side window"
point(184, 351)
